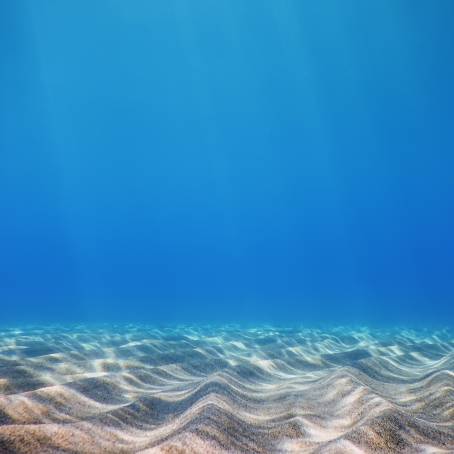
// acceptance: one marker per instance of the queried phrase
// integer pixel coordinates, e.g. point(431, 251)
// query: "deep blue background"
point(227, 161)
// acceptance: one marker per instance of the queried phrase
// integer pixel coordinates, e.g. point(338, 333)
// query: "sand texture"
point(131, 389)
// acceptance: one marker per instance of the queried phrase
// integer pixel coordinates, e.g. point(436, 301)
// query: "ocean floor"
point(131, 389)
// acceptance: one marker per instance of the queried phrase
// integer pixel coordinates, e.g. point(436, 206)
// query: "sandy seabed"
point(224, 389)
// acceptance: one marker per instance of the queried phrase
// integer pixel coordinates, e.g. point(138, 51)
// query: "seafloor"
point(224, 389)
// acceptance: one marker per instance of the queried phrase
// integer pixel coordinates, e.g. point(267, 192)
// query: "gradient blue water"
point(194, 161)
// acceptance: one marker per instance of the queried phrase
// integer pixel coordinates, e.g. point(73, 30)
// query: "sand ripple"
point(133, 389)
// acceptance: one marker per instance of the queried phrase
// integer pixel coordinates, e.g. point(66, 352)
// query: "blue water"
point(229, 161)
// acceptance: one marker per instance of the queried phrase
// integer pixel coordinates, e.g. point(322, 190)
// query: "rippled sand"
point(224, 389)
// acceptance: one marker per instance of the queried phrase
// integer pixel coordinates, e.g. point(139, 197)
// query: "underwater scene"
point(226, 226)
